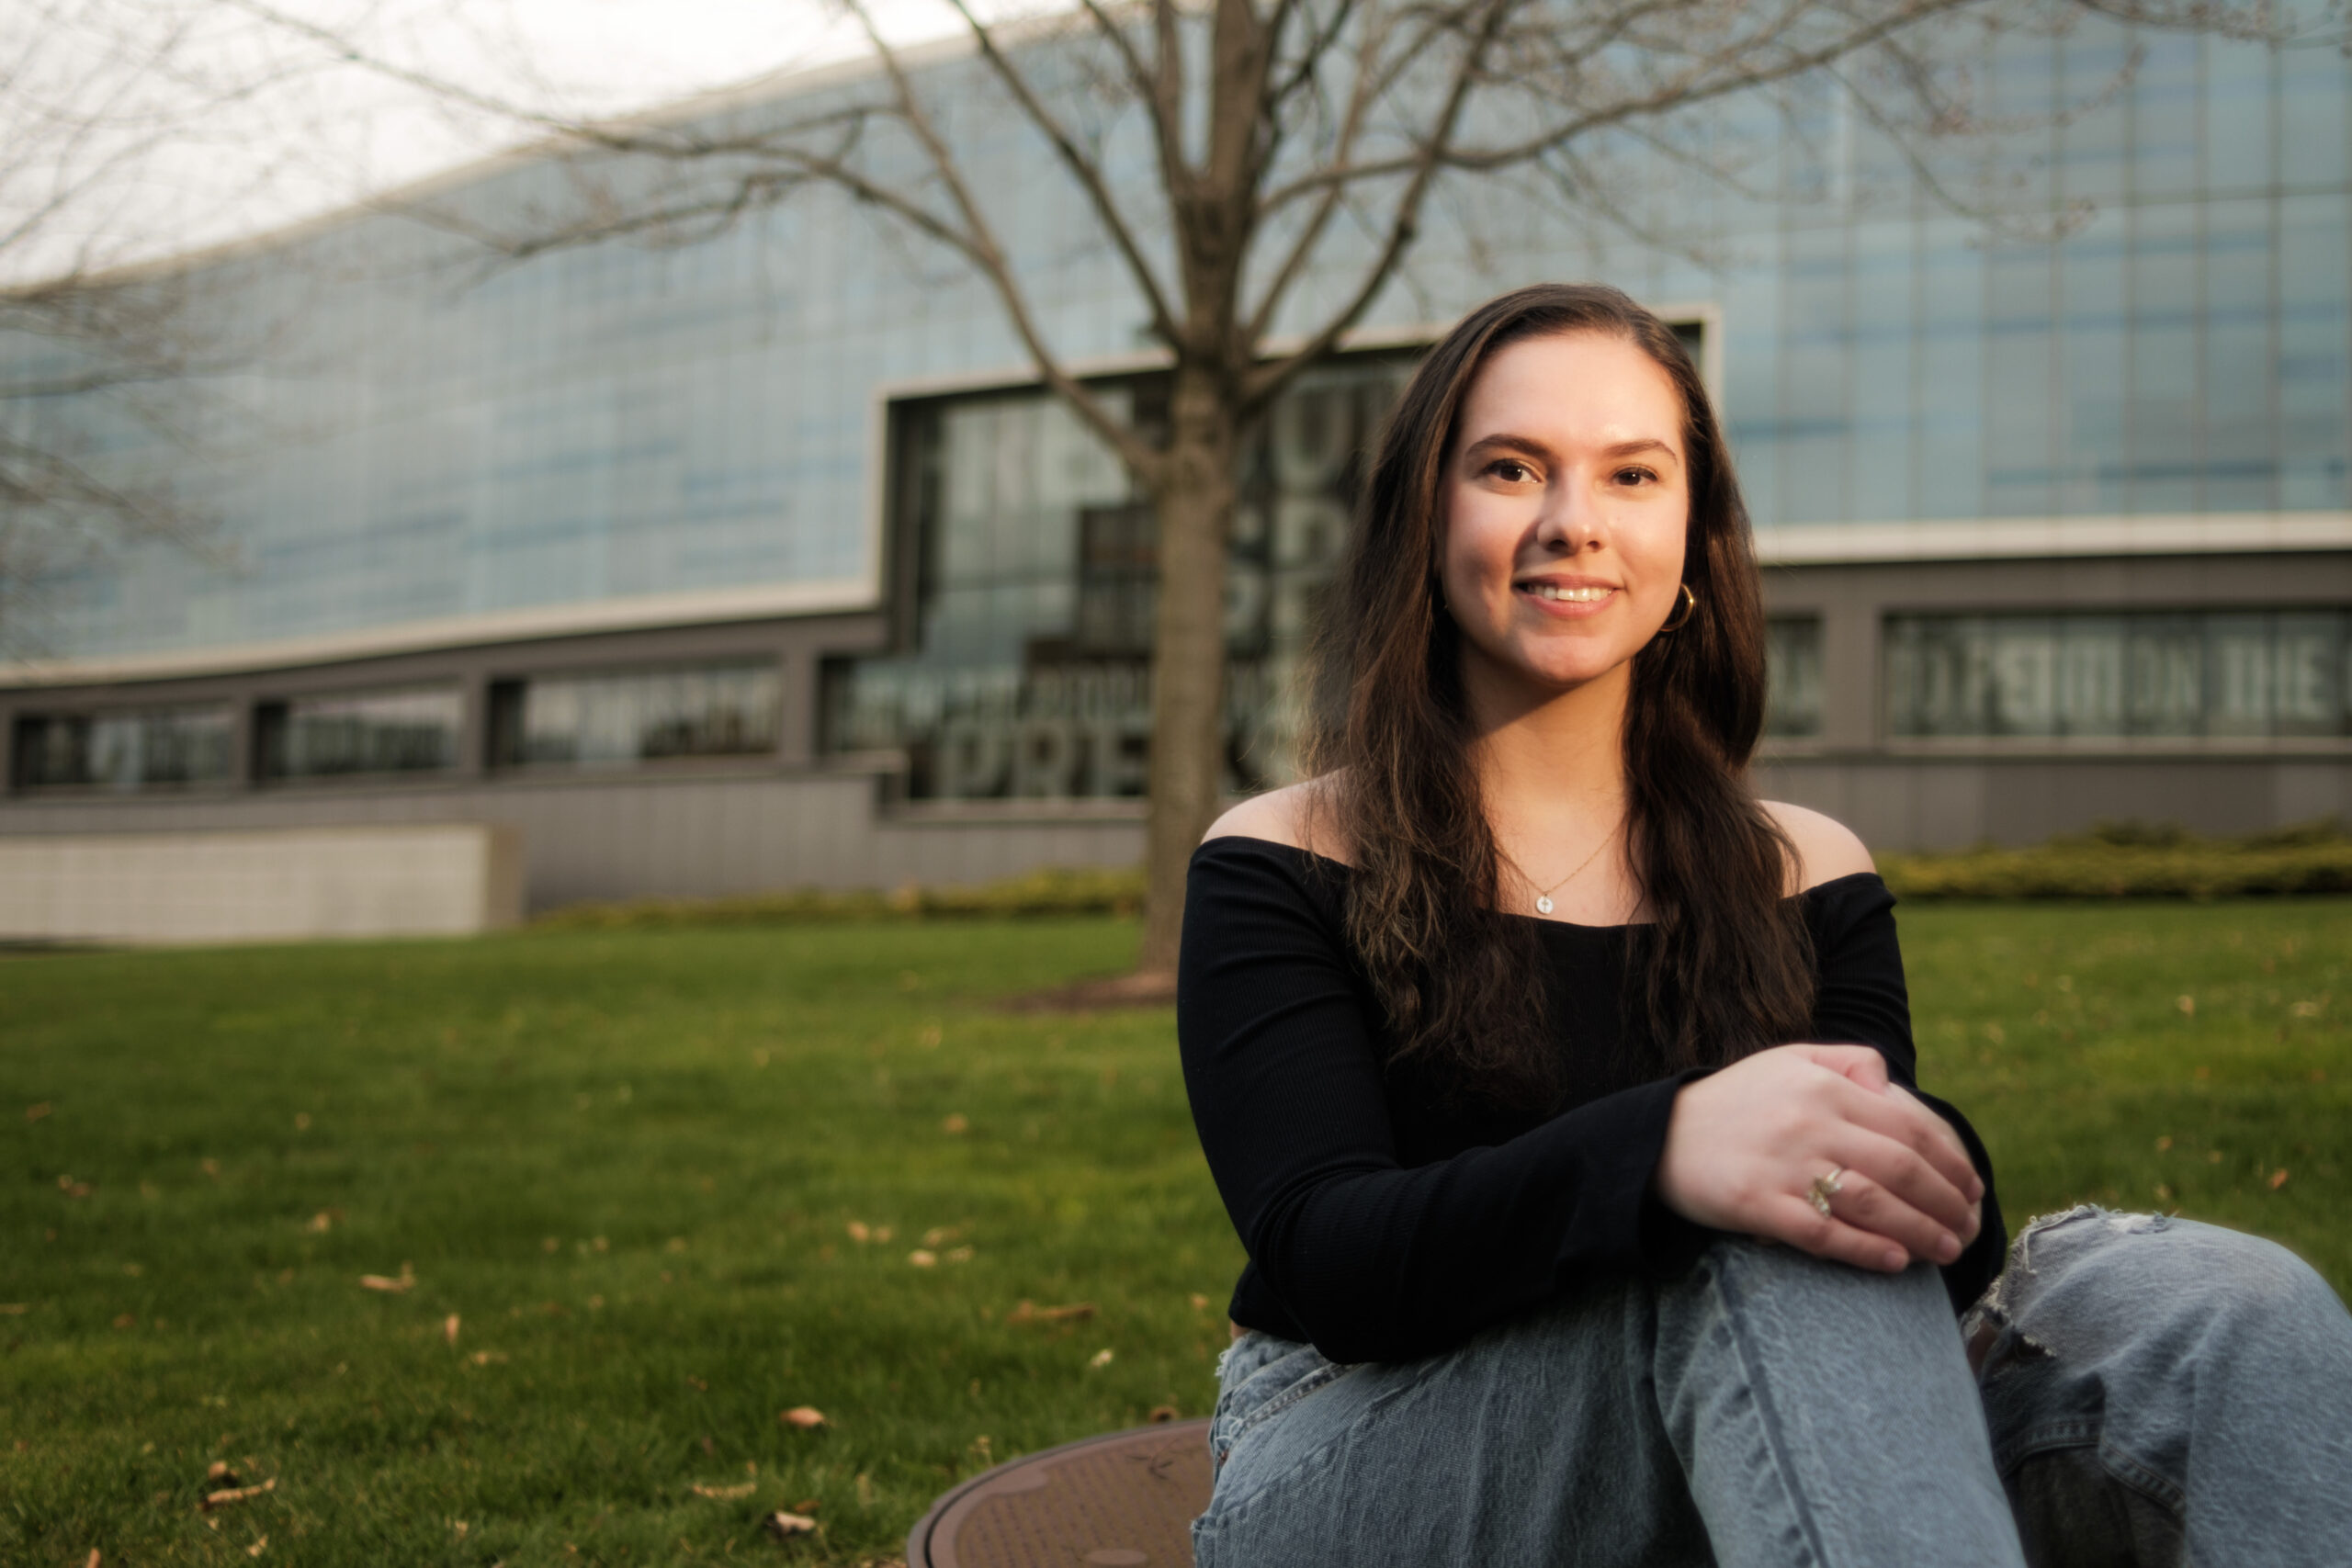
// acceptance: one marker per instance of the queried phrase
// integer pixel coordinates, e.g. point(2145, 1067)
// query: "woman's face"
point(1565, 500)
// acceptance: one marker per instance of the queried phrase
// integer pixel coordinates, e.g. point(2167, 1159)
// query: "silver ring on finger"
point(1825, 1187)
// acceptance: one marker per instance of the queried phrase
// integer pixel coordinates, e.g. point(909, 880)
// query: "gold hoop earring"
point(1690, 608)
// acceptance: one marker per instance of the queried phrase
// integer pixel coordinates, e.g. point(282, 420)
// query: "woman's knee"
point(2091, 1278)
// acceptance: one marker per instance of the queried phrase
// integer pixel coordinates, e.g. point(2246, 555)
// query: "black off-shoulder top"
point(1388, 1216)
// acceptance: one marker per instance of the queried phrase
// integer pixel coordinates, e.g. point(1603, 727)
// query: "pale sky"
point(219, 123)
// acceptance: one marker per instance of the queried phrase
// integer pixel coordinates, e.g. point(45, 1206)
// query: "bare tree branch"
point(1083, 169)
point(1360, 99)
point(1722, 73)
point(978, 244)
point(1269, 380)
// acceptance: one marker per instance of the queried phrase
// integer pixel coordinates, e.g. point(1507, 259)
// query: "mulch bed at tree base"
point(1147, 990)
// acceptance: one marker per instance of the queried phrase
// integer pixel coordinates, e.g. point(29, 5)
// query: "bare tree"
point(1294, 142)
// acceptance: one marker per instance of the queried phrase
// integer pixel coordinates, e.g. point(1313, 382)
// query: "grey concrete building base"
point(690, 834)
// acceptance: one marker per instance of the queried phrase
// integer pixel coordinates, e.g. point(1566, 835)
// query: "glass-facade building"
point(2044, 426)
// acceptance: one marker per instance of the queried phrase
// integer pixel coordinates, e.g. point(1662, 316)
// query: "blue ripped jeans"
point(2133, 1391)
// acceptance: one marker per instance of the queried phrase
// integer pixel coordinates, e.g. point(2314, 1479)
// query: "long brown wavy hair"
point(1727, 968)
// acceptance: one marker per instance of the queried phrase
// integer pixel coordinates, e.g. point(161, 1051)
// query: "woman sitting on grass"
point(1562, 1090)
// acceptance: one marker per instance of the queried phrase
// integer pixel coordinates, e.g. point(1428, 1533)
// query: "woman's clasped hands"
point(1747, 1146)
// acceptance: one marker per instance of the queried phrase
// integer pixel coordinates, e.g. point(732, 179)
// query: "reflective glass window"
point(155, 747)
point(623, 717)
point(1029, 676)
point(1792, 655)
point(2245, 673)
point(357, 733)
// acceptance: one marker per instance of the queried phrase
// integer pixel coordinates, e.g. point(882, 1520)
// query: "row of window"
point(606, 720)
point(2222, 674)
point(1080, 728)
point(1040, 730)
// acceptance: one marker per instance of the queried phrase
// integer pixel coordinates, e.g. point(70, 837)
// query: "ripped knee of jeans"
point(1993, 1340)
point(1988, 1329)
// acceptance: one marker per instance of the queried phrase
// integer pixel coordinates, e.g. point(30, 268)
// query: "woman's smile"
point(1568, 597)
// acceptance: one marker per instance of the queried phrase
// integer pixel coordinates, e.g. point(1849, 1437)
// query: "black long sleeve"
point(1380, 1225)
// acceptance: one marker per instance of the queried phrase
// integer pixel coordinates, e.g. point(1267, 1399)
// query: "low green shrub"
point(2113, 860)
point(1049, 892)
point(2133, 859)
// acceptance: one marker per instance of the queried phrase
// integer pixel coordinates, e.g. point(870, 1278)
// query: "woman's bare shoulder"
point(1297, 815)
point(1827, 848)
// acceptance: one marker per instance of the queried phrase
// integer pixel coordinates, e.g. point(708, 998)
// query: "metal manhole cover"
point(1122, 1500)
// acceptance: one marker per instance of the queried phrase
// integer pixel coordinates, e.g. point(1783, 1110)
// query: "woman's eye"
point(1511, 470)
point(1634, 476)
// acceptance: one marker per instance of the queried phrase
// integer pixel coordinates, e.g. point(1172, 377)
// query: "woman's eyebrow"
point(1642, 444)
point(1505, 441)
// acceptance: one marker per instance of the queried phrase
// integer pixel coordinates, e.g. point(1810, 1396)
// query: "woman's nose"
point(1570, 521)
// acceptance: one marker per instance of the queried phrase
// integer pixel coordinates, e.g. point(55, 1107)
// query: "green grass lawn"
point(633, 1167)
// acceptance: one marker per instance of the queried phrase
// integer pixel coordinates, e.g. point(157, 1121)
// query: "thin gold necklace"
point(1544, 898)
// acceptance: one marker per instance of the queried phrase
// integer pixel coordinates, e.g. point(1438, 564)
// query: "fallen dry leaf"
point(460, 1527)
point(725, 1493)
point(257, 1548)
point(322, 1220)
point(959, 1255)
point(484, 1358)
point(858, 1231)
point(449, 1329)
point(34, 1113)
point(2188, 1006)
point(1101, 1359)
point(384, 1282)
point(1161, 1415)
point(218, 1476)
point(1200, 1302)
point(954, 1123)
point(2277, 1180)
point(1030, 1312)
point(72, 1188)
point(127, 1320)
point(236, 1495)
point(808, 1506)
point(698, 1385)
point(14, 1309)
point(210, 1168)
point(936, 1235)
point(807, 1417)
point(922, 1257)
point(95, 1559)
point(784, 1526)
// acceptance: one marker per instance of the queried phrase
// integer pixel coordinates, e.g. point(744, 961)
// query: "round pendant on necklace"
point(1543, 903)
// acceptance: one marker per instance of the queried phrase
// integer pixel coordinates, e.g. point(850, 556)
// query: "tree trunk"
point(1193, 505)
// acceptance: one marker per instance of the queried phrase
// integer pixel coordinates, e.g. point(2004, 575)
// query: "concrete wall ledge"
point(287, 884)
